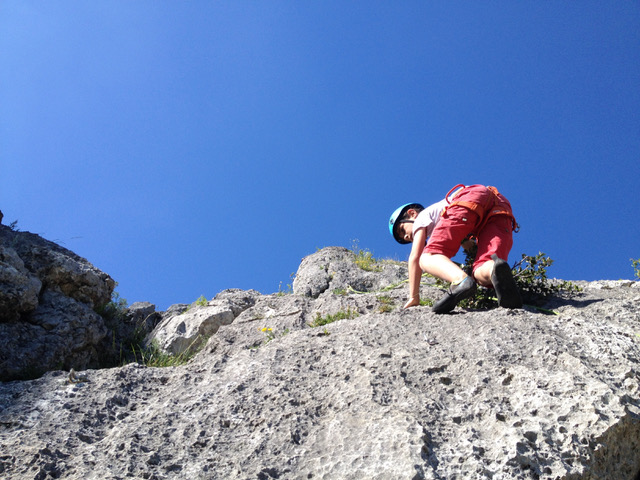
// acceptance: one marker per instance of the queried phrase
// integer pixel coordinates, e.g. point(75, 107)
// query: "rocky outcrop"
point(184, 330)
point(47, 299)
point(19, 289)
point(383, 394)
point(335, 268)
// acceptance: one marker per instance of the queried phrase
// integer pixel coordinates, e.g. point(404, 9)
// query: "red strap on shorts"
point(483, 211)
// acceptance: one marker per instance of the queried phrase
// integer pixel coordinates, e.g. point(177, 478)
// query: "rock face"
point(184, 330)
point(47, 300)
point(334, 268)
point(388, 394)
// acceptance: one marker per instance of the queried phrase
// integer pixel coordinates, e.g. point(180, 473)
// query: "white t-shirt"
point(429, 217)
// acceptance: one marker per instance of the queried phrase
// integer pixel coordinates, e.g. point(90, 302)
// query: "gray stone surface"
point(47, 300)
point(399, 394)
point(18, 288)
point(184, 330)
point(333, 268)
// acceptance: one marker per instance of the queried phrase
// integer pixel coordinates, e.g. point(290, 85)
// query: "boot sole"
point(504, 284)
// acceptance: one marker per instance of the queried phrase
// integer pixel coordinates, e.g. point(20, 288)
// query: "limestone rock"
point(47, 300)
point(334, 268)
point(142, 317)
point(185, 331)
point(60, 333)
point(18, 289)
point(385, 394)
point(59, 268)
point(140, 311)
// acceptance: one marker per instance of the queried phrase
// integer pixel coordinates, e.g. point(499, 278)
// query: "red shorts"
point(495, 236)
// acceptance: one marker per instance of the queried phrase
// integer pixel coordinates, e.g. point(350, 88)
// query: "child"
point(437, 233)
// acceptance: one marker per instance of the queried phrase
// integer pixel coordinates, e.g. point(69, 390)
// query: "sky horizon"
point(187, 148)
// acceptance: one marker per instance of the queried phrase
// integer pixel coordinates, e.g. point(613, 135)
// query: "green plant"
point(319, 320)
point(530, 274)
point(115, 309)
point(153, 356)
point(364, 259)
point(289, 289)
point(281, 291)
point(386, 304)
point(635, 264)
point(202, 301)
point(271, 335)
point(268, 331)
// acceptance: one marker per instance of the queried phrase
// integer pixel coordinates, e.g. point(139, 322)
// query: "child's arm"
point(415, 272)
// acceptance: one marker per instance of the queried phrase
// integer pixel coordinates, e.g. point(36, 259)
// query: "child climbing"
point(436, 233)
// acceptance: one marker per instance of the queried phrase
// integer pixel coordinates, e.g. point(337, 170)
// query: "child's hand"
point(412, 302)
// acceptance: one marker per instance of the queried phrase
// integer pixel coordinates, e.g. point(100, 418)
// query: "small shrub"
point(530, 274)
point(635, 264)
point(364, 259)
point(202, 301)
point(341, 315)
point(115, 309)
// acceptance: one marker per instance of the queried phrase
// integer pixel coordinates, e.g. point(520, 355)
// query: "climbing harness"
point(486, 211)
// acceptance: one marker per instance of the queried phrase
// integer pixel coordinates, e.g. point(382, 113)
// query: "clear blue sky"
point(189, 147)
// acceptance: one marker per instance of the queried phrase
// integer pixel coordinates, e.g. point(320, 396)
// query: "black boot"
point(504, 284)
point(464, 289)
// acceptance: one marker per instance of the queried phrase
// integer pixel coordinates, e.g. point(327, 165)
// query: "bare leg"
point(462, 286)
point(442, 267)
point(482, 274)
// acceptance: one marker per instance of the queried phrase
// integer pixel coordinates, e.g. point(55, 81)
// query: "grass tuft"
point(341, 315)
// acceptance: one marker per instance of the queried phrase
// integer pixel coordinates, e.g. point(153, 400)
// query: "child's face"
point(406, 231)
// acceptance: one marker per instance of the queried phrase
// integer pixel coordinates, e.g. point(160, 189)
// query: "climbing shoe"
point(465, 288)
point(504, 284)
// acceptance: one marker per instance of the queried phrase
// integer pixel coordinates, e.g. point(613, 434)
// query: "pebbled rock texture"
point(389, 394)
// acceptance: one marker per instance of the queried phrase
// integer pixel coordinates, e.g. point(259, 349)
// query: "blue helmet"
point(393, 221)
